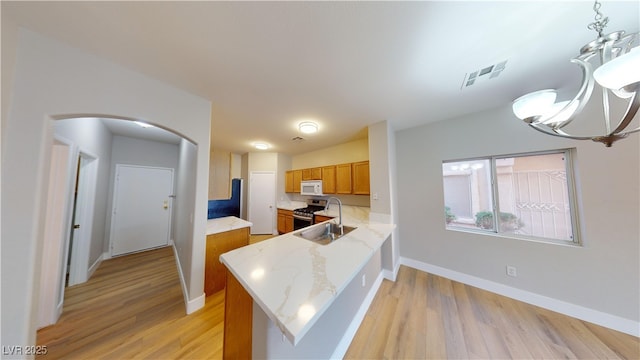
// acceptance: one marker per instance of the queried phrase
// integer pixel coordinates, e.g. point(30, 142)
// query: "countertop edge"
point(224, 224)
point(379, 240)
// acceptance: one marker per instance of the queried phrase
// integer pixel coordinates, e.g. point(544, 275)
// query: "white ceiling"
point(266, 66)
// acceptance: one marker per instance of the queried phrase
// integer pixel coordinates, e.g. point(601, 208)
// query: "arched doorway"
point(84, 153)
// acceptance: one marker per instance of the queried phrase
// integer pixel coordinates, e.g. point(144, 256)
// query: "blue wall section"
point(231, 207)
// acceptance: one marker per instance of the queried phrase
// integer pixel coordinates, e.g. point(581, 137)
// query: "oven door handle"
point(309, 219)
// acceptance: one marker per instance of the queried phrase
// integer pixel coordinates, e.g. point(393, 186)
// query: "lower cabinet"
point(319, 218)
point(218, 244)
point(238, 320)
point(285, 221)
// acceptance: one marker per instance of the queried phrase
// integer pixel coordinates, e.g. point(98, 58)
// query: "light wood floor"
point(423, 316)
point(133, 308)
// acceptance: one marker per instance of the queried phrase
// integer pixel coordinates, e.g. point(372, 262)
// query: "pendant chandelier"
point(616, 70)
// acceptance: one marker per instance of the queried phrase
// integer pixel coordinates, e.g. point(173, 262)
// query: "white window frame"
point(571, 191)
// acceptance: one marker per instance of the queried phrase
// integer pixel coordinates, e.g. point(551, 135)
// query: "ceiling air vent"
point(483, 74)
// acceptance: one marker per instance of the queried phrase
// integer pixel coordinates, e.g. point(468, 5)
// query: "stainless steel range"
point(303, 217)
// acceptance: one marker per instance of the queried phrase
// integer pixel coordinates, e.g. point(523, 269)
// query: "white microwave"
point(311, 187)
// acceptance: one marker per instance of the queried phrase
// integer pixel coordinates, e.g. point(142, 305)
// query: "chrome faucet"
point(339, 212)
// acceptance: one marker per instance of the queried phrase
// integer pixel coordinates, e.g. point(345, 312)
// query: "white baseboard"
point(576, 311)
point(392, 275)
point(195, 304)
point(190, 305)
point(344, 343)
point(97, 263)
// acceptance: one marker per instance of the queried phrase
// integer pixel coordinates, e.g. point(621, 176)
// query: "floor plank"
point(133, 308)
point(459, 322)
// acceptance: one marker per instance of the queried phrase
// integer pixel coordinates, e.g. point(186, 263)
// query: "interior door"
point(141, 215)
point(262, 196)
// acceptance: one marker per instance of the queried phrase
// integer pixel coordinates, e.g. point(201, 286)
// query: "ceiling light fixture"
point(261, 146)
point(617, 72)
point(308, 127)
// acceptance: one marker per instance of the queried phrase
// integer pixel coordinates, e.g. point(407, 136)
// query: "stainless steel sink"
point(324, 233)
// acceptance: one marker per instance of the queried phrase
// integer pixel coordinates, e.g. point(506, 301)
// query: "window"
point(526, 196)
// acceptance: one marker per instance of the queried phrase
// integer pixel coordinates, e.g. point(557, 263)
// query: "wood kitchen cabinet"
point(360, 171)
point(343, 179)
point(349, 178)
point(321, 218)
point(218, 244)
point(288, 181)
point(297, 178)
point(329, 179)
point(285, 221)
point(238, 320)
point(312, 174)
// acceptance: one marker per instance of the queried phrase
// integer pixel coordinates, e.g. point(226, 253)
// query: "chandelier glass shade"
point(612, 62)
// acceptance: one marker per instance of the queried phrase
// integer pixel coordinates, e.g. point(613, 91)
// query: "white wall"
point(90, 135)
point(352, 151)
point(601, 275)
point(52, 80)
point(190, 256)
point(382, 174)
point(379, 169)
point(131, 151)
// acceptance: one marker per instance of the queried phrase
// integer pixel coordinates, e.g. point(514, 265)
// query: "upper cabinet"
point(350, 178)
point(360, 172)
point(292, 179)
point(329, 179)
point(219, 175)
point(288, 181)
point(343, 179)
point(312, 174)
point(297, 178)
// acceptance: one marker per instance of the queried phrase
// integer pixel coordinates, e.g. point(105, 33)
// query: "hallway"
point(133, 307)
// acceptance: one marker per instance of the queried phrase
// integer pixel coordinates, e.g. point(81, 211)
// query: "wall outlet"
point(364, 280)
point(375, 196)
point(511, 271)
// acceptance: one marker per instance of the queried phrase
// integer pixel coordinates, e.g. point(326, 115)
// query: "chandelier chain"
point(600, 21)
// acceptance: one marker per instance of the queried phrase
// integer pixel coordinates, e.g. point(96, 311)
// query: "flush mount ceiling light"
point(261, 146)
point(616, 70)
point(308, 127)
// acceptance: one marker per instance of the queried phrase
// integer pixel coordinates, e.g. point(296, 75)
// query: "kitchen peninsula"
point(305, 295)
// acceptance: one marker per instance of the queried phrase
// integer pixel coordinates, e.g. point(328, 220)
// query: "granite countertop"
point(228, 223)
point(294, 280)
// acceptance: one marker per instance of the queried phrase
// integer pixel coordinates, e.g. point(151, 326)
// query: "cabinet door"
point(329, 180)
point(281, 223)
point(297, 178)
point(288, 181)
point(312, 174)
point(343, 179)
point(288, 223)
point(306, 174)
point(361, 178)
point(316, 173)
point(218, 244)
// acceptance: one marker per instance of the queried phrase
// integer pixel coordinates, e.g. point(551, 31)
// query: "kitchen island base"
point(260, 338)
